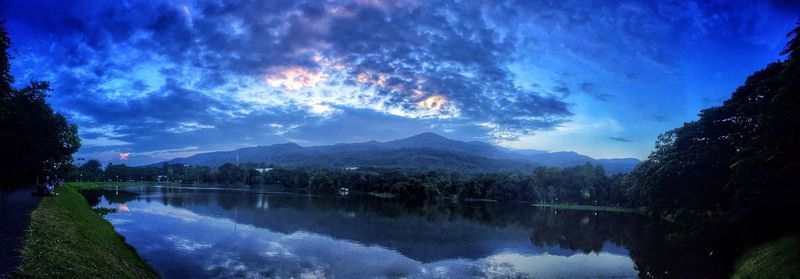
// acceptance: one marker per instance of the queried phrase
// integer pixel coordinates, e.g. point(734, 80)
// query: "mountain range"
point(423, 151)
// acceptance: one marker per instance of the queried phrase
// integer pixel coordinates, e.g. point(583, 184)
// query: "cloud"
point(659, 117)
point(102, 141)
point(185, 127)
point(427, 60)
point(162, 75)
point(619, 139)
point(592, 90)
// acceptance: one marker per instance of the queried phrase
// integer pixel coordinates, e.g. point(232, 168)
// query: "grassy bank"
point(776, 259)
point(93, 185)
point(66, 239)
point(381, 195)
point(589, 207)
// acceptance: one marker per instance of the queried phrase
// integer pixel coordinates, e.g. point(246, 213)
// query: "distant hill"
point(424, 151)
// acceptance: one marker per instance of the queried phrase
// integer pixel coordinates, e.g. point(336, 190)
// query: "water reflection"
point(226, 233)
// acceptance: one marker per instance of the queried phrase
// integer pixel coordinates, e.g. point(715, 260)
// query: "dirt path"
point(15, 212)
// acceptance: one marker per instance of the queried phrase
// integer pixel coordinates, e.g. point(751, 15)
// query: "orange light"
point(433, 103)
point(296, 78)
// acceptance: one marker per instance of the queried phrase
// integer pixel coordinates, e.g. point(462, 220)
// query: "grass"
point(382, 195)
point(479, 200)
point(67, 239)
point(95, 185)
point(776, 259)
point(590, 208)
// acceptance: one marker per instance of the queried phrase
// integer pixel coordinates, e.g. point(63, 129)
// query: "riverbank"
point(66, 239)
point(382, 195)
point(776, 259)
point(94, 185)
point(589, 208)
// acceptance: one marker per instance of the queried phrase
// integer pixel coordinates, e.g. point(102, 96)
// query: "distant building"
point(263, 170)
point(162, 178)
point(351, 168)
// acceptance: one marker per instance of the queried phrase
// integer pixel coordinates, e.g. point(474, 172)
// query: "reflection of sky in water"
point(181, 242)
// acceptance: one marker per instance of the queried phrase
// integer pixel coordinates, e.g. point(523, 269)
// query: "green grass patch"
point(96, 185)
point(590, 208)
point(776, 259)
point(382, 195)
point(67, 239)
point(103, 211)
point(479, 200)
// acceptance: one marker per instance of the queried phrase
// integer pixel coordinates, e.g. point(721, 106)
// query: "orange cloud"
point(296, 78)
point(433, 102)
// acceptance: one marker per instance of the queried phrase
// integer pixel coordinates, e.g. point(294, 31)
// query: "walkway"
point(15, 212)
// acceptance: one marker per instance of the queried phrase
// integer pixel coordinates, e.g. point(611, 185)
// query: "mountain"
point(425, 151)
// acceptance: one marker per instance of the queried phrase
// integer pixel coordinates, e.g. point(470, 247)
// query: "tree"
point(322, 181)
point(231, 174)
point(91, 170)
point(733, 165)
point(36, 140)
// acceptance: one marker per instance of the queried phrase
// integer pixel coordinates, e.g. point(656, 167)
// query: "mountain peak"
point(287, 144)
point(427, 139)
point(428, 135)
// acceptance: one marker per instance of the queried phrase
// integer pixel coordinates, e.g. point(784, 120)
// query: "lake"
point(206, 233)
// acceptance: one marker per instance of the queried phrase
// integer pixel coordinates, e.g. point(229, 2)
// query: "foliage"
point(776, 259)
point(585, 184)
point(733, 165)
point(36, 140)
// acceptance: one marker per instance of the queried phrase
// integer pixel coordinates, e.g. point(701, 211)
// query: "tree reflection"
point(433, 231)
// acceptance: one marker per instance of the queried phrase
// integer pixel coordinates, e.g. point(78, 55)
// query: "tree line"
point(584, 184)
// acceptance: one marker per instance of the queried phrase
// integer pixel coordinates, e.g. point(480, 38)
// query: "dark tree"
point(36, 140)
point(91, 170)
point(735, 165)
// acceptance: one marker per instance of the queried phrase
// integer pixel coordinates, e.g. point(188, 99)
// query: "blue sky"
point(164, 79)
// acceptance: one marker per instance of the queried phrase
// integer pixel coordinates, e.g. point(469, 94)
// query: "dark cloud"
point(661, 118)
point(591, 90)
point(790, 6)
point(562, 90)
point(620, 139)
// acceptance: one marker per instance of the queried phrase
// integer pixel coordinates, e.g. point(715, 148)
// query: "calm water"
point(235, 233)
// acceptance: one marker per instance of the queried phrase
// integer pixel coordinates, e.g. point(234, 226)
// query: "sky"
point(166, 79)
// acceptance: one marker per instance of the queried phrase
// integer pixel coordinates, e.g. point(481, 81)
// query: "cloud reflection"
point(221, 247)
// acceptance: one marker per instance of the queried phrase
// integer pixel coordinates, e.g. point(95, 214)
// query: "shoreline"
point(589, 208)
point(67, 239)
